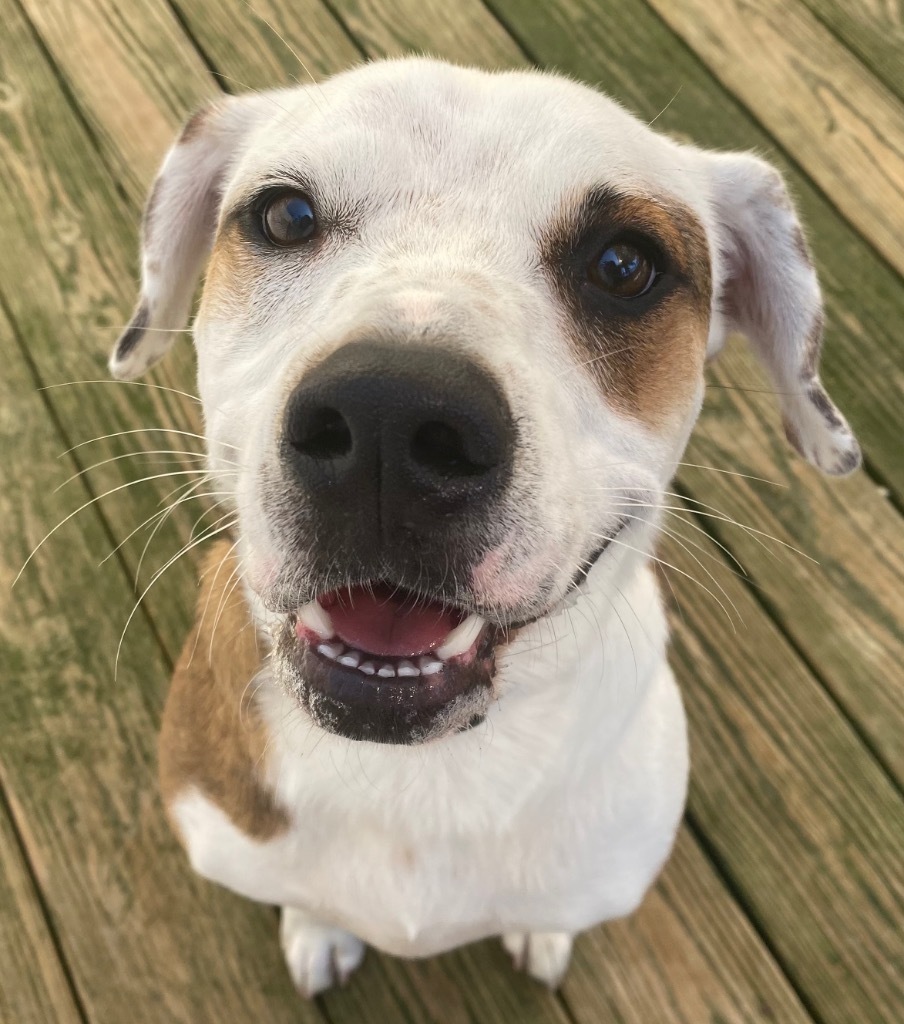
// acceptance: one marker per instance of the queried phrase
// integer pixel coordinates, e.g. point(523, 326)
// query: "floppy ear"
point(769, 292)
point(178, 229)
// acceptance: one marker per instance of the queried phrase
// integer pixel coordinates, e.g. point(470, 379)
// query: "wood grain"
point(845, 128)
point(804, 822)
point(33, 984)
point(67, 279)
point(873, 30)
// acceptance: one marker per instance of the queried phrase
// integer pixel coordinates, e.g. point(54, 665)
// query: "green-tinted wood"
point(804, 821)
point(688, 955)
point(67, 277)
point(144, 938)
point(841, 124)
point(873, 29)
point(33, 984)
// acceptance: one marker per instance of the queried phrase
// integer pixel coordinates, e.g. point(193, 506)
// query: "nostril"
point(441, 448)
point(324, 434)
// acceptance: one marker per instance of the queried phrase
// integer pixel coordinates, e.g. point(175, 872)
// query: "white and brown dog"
point(450, 351)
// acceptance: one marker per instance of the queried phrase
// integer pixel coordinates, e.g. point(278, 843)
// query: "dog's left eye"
point(288, 219)
point(625, 269)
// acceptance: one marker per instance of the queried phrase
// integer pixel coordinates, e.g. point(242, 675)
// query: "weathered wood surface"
point(33, 984)
point(804, 826)
point(873, 30)
point(843, 126)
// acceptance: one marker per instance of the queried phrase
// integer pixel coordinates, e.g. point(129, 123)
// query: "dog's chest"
point(402, 892)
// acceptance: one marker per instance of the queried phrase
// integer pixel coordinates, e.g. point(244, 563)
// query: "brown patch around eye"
point(212, 735)
point(233, 273)
point(645, 354)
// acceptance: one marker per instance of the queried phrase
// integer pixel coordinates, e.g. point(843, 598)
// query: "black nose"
point(401, 437)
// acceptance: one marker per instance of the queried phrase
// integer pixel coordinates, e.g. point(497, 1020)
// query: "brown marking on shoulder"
point(646, 355)
point(212, 735)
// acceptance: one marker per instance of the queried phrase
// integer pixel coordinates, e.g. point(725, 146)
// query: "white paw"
point(318, 956)
point(544, 955)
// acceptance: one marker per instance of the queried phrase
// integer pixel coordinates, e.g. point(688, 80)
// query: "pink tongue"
point(381, 622)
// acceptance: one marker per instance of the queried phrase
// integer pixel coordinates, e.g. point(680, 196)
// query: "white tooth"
point(386, 671)
point(367, 667)
point(406, 668)
point(317, 619)
point(331, 650)
point(350, 658)
point(461, 638)
point(430, 666)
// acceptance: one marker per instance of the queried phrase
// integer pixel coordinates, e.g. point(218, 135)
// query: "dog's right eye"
point(288, 219)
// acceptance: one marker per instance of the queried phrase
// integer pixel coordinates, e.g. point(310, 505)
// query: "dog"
point(451, 347)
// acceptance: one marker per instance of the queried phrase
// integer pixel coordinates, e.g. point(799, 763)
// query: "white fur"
point(555, 814)
point(559, 810)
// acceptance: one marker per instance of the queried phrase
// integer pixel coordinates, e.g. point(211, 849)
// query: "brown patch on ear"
point(646, 355)
point(813, 348)
point(212, 735)
point(195, 125)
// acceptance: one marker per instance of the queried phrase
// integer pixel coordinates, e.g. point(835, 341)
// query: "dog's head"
point(450, 351)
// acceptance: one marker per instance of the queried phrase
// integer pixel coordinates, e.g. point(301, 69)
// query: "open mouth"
point(379, 663)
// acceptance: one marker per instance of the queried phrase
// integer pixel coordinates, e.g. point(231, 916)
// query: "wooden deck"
point(784, 901)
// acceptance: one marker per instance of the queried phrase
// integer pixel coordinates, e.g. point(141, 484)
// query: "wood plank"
point(145, 940)
point(802, 818)
point(33, 984)
point(873, 29)
point(845, 128)
point(688, 955)
point(63, 218)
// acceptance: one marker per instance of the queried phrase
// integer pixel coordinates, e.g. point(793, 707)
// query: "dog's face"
point(450, 349)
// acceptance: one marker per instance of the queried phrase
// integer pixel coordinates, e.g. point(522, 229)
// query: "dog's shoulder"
point(213, 737)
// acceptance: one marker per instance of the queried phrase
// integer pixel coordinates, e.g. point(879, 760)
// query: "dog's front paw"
point(318, 956)
point(544, 955)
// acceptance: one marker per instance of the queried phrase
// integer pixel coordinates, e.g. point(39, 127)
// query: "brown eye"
point(288, 219)
point(624, 270)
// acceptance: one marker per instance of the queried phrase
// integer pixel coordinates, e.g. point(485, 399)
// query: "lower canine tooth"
point(317, 619)
point(331, 650)
point(461, 638)
point(430, 666)
point(386, 671)
point(406, 668)
point(350, 658)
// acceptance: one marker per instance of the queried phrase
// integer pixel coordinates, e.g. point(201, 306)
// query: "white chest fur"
point(554, 814)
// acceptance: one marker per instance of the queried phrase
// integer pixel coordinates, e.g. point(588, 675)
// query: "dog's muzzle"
point(398, 456)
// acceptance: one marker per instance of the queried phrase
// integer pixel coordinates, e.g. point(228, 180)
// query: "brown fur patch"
point(646, 354)
point(195, 125)
point(212, 735)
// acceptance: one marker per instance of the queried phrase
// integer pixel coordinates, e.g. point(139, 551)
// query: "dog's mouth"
point(377, 662)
